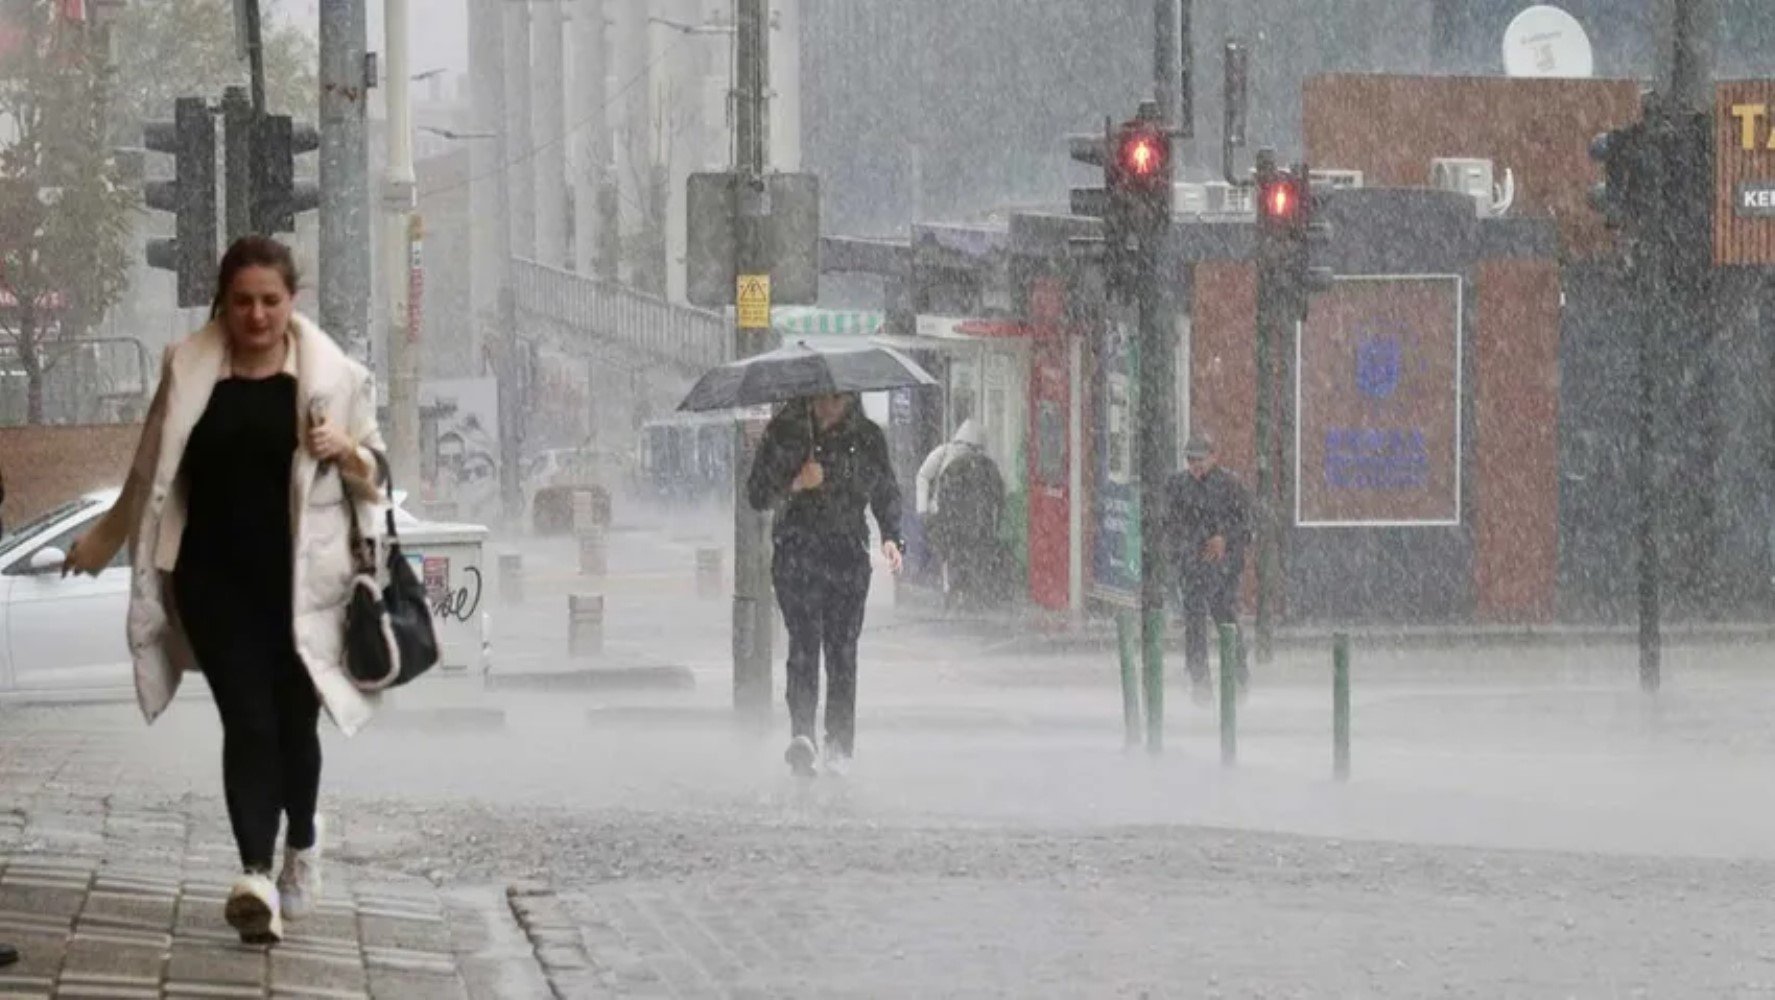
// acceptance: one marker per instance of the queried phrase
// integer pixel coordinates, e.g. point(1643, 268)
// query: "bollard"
point(1152, 658)
point(1229, 694)
point(593, 559)
point(585, 512)
point(585, 624)
point(1130, 684)
point(511, 577)
point(1340, 706)
point(708, 572)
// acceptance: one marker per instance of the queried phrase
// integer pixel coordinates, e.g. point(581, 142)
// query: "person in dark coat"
point(1208, 521)
point(822, 461)
point(964, 503)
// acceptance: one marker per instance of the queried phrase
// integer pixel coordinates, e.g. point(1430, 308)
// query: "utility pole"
point(521, 145)
point(505, 341)
point(752, 604)
point(344, 178)
point(486, 51)
point(634, 118)
point(400, 331)
point(594, 205)
point(549, 80)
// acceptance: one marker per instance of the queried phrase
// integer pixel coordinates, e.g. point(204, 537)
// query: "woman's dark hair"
point(253, 251)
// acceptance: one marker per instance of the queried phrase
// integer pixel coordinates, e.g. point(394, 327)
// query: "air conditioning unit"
point(1189, 199)
point(1334, 180)
point(1221, 198)
point(1474, 178)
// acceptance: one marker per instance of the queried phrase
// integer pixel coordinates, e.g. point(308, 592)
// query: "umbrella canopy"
point(799, 370)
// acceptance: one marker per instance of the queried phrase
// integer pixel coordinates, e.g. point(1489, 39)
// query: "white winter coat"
point(150, 513)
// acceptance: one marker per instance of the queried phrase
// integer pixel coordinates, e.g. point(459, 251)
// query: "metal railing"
point(686, 339)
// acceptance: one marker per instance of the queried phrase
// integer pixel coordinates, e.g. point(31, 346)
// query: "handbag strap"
point(363, 559)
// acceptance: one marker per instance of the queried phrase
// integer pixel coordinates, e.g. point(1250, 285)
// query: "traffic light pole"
point(1156, 448)
point(1272, 317)
point(752, 604)
point(255, 53)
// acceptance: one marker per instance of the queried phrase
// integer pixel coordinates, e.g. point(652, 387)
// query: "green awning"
point(813, 321)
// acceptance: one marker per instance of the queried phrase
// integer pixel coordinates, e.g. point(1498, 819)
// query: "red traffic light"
point(1280, 201)
point(1142, 155)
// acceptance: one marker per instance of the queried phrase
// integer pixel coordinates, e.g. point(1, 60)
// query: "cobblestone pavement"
point(118, 896)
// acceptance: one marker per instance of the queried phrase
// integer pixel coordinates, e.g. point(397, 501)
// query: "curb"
point(672, 678)
point(462, 718)
point(556, 941)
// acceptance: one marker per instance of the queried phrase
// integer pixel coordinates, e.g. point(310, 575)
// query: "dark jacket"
point(854, 455)
point(1199, 509)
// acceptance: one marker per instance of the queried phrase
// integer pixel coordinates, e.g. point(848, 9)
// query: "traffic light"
point(277, 196)
point(190, 196)
point(1137, 174)
point(1288, 233)
point(1621, 196)
point(1657, 184)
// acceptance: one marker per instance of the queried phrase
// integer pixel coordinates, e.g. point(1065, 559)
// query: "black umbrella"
point(799, 370)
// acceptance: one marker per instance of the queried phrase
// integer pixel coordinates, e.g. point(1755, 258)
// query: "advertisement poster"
point(460, 421)
point(1379, 398)
point(1115, 555)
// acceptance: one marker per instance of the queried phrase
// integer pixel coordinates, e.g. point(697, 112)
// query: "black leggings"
point(270, 742)
point(822, 592)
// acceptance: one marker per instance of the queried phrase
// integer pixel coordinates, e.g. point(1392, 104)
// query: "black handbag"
point(389, 639)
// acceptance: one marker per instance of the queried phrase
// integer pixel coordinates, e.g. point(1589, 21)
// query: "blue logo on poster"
point(1377, 368)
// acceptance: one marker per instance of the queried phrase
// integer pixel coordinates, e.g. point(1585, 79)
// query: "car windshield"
point(16, 536)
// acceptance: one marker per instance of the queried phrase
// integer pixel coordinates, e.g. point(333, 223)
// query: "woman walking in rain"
point(261, 431)
point(823, 460)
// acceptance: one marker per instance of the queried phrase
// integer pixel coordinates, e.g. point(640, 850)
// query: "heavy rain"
point(886, 498)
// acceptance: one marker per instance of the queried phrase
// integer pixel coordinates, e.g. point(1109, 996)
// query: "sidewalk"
point(114, 899)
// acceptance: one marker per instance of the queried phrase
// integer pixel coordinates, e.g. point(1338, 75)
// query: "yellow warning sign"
point(754, 301)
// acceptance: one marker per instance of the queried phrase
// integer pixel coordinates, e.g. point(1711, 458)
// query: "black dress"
point(233, 584)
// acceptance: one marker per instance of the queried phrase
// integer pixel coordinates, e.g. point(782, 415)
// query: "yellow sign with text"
point(753, 301)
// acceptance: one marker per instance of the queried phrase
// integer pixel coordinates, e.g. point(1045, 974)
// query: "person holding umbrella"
point(820, 464)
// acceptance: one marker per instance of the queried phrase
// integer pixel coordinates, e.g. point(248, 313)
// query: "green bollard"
point(1229, 694)
point(1152, 650)
point(1340, 706)
point(1130, 683)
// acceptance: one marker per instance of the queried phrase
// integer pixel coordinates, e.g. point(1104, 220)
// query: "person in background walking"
point(1207, 516)
point(962, 497)
point(822, 461)
point(261, 431)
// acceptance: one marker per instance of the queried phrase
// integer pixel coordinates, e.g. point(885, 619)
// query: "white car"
point(66, 634)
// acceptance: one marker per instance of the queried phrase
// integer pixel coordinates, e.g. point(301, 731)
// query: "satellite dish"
point(1545, 41)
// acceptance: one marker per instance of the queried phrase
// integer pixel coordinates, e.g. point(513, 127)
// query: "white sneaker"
point(299, 883)
point(253, 909)
point(801, 756)
point(837, 762)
